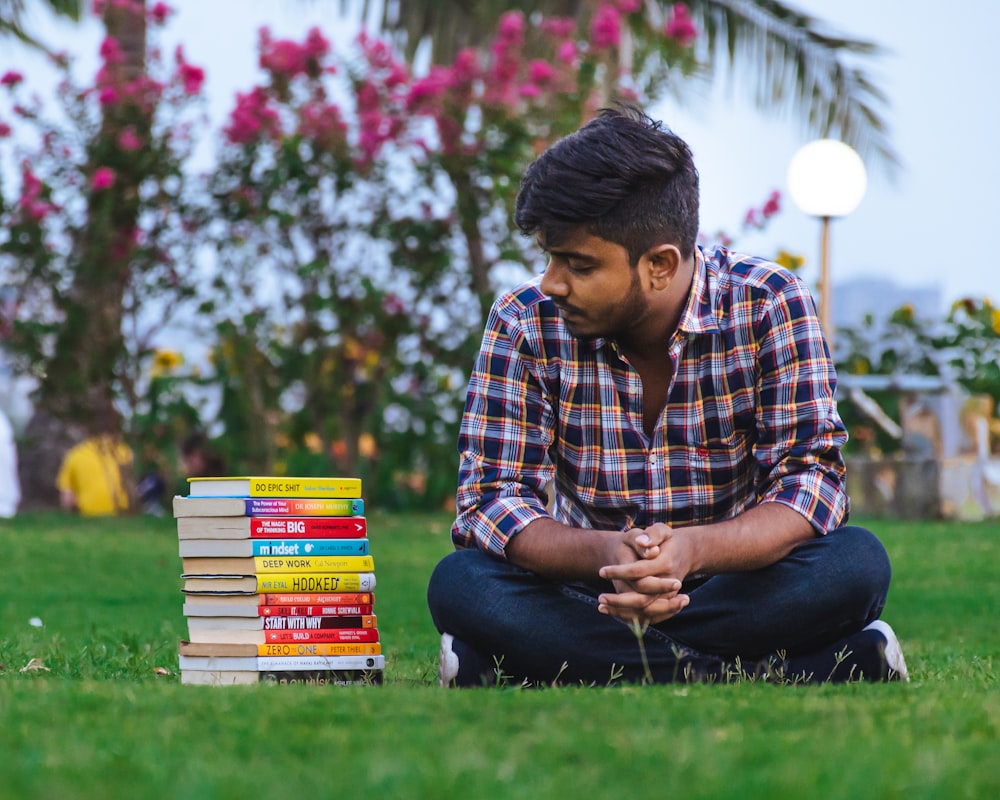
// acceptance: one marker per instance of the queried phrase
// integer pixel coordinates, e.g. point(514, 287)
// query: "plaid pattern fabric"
point(749, 418)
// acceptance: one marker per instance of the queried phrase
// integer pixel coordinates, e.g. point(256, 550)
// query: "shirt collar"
point(699, 315)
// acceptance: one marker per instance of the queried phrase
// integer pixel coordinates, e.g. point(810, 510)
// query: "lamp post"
point(826, 179)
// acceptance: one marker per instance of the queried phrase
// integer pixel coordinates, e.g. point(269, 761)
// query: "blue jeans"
point(792, 615)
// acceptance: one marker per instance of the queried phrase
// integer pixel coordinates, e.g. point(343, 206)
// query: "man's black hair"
point(623, 177)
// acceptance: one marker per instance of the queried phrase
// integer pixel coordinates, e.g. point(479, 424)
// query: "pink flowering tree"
point(495, 108)
point(98, 222)
point(380, 204)
point(328, 253)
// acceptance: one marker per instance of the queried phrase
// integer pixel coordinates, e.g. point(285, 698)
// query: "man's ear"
point(662, 262)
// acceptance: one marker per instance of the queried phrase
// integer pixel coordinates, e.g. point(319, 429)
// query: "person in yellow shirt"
point(90, 478)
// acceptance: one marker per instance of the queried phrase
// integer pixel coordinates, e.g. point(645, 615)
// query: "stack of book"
point(278, 582)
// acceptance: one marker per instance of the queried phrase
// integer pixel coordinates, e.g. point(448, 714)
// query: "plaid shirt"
point(749, 418)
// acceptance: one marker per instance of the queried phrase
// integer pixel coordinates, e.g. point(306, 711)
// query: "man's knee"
point(456, 579)
point(866, 556)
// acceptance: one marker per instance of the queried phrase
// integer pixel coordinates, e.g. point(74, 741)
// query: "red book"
point(341, 599)
point(287, 527)
point(314, 611)
point(325, 635)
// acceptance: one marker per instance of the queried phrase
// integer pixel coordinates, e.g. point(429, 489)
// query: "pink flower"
point(11, 78)
point(393, 304)
point(559, 27)
point(511, 28)
point(567, 53)
point(316, 45)
point(680, 27)
point(5, 130)
point(108, 96)
point(159, 12)
point(773, 205)
point(431, 87)
point(466, 67)
point(111, 51)
point(541, 72)
point(104, 178)
point(129, 140)
point(282, 56)
point(192, 78)
point(31, 187)
point(32, 204)
point(606, 27)
point(529, 90)
point(252, 117)
point(322, 122)
point(629, 6)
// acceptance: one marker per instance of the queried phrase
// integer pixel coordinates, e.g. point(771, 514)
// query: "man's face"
point(597, 291)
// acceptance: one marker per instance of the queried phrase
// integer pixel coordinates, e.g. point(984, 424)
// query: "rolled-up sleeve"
point(506, 431)
point(799, 431)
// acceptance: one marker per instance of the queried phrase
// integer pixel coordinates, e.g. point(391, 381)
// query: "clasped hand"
point(652, 562)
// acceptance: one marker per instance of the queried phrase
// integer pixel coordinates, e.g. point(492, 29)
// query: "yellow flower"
point(165, 362)
point(366, 446)
point(995, 320)
point(312, 442)
point(789, 261)
point(966, 304)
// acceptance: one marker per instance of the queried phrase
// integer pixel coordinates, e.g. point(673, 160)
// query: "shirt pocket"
point(708, 481)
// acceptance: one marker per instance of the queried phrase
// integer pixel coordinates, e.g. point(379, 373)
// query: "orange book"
point(300, 649)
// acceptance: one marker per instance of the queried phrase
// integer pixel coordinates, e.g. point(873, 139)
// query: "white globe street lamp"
point(826, 179)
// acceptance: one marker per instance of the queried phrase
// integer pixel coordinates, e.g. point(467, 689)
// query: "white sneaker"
point(447, 662)
point(893, 652)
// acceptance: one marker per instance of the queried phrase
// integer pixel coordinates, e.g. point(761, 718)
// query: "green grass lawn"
point(101, 722)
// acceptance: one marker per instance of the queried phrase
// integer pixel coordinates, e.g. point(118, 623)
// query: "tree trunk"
point(82, 377)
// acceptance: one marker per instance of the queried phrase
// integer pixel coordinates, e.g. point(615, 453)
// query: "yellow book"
point(243, 486)
point(287, 583)
point(320, 649)
point(263, 565)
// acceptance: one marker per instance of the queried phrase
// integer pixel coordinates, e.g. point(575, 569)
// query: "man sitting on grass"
point(682, 402)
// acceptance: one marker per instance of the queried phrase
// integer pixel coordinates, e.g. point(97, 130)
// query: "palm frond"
point(12, 11)
point(792, 59)
point(446, 26)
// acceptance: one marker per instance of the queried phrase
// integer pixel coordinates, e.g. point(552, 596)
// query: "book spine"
point(309, 547)
point(329, 635)
point(289, 506)
point(344, 598)
point(315, 611)
point(275, 487)
point(305, 487)
point(308, 527)
point(219, 677)
point(316, 623)
point(300, 649)
point(311, 583)
point(268, 564)
point(206, 649)
point(289, 662)
point(296, 663)
point(218, 662)
point(325, 677)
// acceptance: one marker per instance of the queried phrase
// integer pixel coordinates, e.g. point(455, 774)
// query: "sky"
point(927, 228)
